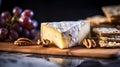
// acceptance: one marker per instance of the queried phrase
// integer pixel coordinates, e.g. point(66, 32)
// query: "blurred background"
point(59, 10)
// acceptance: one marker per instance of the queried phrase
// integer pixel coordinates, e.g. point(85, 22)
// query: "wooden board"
point(76, 51)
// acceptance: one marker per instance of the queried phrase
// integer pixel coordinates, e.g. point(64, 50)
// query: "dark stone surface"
point(90, 63)
point(21, 60)
point(32, 60)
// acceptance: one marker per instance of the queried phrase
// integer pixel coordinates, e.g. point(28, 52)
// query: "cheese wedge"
point(65, 34)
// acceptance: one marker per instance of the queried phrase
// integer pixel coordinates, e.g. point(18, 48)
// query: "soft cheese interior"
point(65, 34)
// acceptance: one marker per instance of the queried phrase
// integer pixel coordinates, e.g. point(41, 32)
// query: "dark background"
point(59, 10)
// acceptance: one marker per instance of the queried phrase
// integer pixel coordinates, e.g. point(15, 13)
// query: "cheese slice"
point(65, 34)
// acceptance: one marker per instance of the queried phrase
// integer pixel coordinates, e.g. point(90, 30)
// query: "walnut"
point(39, 42)
point(44, 42)
point(23, 42)
point(89, 43)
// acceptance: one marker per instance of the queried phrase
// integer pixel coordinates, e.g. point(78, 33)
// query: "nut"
point(24, 39)
point(89, 43)
point(39, 42)
point(23, 42)
point(44, 42)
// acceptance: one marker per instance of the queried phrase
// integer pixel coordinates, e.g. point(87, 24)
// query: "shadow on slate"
point(90, 63)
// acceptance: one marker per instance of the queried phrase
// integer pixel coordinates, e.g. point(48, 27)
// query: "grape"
point(35, 23)
point(24, 20)
point(2, 22)
point(25, 33)
point(32, 25)
point(28, 13)
point(17, 27)
point(13, 35)
point(33, 33)
point(3, 33)
point(6, 15)
point(17, 11)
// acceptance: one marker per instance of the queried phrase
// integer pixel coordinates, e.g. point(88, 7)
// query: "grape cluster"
point(20, 24)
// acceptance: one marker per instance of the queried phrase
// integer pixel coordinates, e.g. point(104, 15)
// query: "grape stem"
point(10, 21)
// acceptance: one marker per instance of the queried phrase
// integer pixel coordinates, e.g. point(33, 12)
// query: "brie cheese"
point(65, 34)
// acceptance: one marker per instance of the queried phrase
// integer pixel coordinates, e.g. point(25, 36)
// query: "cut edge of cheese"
point(46, 34)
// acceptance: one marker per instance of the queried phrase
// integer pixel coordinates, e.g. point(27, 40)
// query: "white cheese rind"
point(70, 33)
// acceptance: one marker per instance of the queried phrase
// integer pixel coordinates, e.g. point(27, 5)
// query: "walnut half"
point(89, 43)
point(23, 42)
point(44, 42)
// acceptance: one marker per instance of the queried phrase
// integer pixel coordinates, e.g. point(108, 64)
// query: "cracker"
point(97, 20)
point(116, 39)
point(110, 44)
point(112, 13)
point(105, 32)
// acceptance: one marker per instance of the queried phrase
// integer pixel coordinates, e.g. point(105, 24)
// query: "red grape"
point(17, 27)
point(33, 33)
point(17, 11)
point(29, 26)
point(32, 25)
point(25, 33)
point(24, 20)
point(13, 35)
point(5, 15)
point(28, 13)
point(2, 22)
point(35, 23)
point(3, 33)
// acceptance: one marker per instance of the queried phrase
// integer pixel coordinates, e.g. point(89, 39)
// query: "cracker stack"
point(112, 16)
point(108, 37)
point(106, 28)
